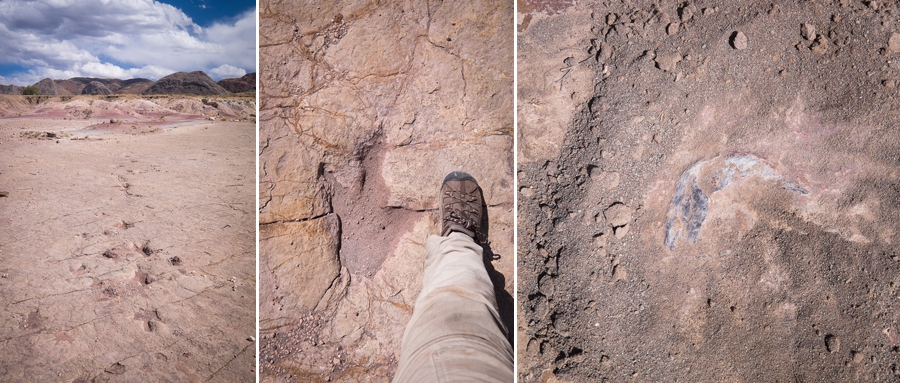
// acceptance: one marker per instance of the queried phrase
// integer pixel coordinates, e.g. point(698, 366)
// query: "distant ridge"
point(187, 83)
point(198, 83)
point(247, 83)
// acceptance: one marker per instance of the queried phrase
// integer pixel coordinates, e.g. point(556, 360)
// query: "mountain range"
point(197, 82)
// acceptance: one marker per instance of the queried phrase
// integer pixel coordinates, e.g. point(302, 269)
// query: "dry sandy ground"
point(709, 191)
point(126, 249)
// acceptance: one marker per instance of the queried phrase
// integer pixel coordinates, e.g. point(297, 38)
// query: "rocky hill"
point(177, 83)
point(197, 82)
point(247, 83)
point(47, 87)
point(10, 89)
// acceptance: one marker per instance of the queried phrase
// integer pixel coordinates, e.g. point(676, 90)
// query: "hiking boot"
point(461, 204)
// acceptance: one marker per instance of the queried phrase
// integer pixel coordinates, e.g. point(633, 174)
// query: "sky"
point(125, 39)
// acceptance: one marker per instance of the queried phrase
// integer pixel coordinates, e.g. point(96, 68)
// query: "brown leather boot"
point(461, 204)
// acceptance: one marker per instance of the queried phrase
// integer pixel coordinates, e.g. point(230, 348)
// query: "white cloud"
point(227, 71)
point(121, 39)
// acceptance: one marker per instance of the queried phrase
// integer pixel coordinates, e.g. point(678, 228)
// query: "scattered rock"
point(832, 343)
point(116, 369)
point(667, 62)
point(672, 29)
point(686, 13)
point(894, 42)
point(617, 214)
point(739, 40)
point(808, 31)
point(820, 46)
point(4, 194)
point(175, 261)
point(618, 273)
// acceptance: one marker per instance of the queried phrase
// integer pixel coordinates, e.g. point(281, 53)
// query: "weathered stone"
point(414, 175)
point(300, 262)
point(617, 214)
point(550, 90)
point(667, 62)
point(894, 42)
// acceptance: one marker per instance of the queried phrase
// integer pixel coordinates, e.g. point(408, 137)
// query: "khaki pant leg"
point(455, 333)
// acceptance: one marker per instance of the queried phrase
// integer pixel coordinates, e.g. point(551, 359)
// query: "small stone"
point(251, 339)
point(894, 42)
point(808, 31)
point(621, 231)
point(686, 13)
point(619, 273)
point(667, 62)
point(116, 369)
point(618, 214)
point(820, 46)
point(611, 19)
point(672, 29)
point(739, 40)
point(336, 360)
point(832, 343)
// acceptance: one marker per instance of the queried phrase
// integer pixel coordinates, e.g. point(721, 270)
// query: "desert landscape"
point(127, 238)
point(708, 191)
point(364, 108)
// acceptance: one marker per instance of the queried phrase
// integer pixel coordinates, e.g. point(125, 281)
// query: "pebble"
point(832, 343)
point(611, 19)
point(894, 42)
point(739, 41)
point(672, 29)
point(686, 13)
point(808, 31)
point(667, 62)
point(820, 46)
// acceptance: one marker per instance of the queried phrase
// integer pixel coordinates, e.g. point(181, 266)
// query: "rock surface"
point(775, 259)
point(196, 82)
point(364, 109)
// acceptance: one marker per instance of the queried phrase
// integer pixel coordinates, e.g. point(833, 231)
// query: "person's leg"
point(455, 333)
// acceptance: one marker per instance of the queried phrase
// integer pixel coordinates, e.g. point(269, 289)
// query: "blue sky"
point(125, 39)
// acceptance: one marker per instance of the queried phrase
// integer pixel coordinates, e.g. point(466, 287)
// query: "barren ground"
point(126, 248)
point(713, 194)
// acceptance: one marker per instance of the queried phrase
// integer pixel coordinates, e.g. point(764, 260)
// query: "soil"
point(723, 202)
point(127, 244)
